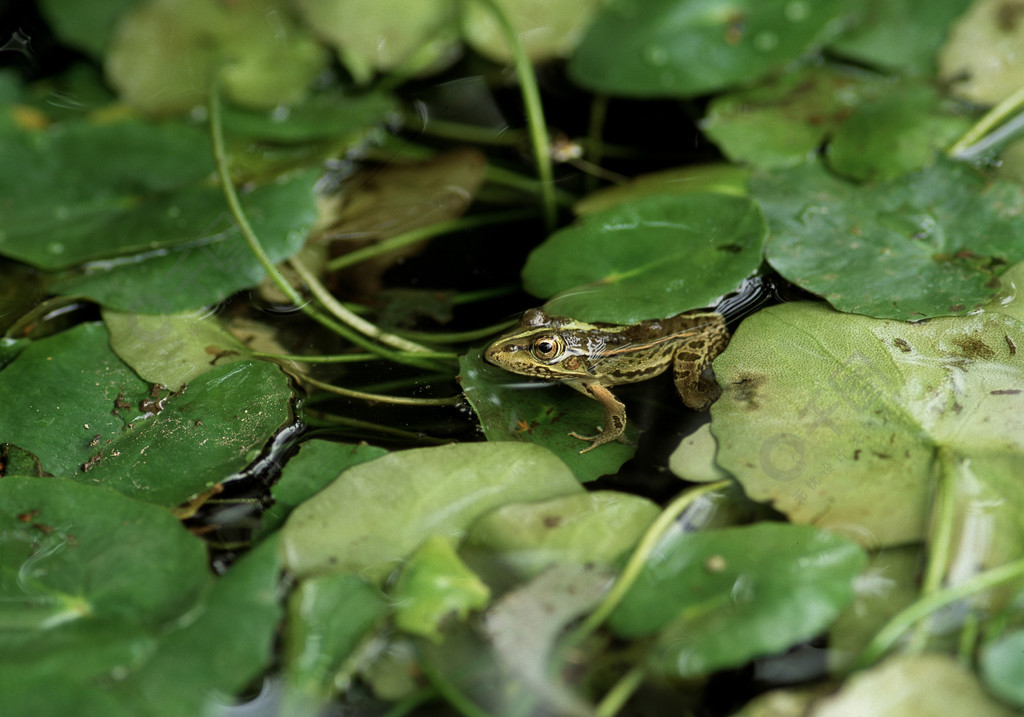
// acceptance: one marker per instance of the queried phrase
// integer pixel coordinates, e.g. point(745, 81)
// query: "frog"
point(591, 357)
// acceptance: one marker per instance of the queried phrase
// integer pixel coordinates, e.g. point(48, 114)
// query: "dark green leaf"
point(895, 35)
point(680, 49)
point(1002, 667)
point(65, 390)
point(927, 244)
point(718, 599)
point(514, 408)
point(650, 258)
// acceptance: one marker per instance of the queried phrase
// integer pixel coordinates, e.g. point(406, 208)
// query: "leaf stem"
point(962, 148)
point(423, 233)
point(643, 551)
point(380, 398)
point(886, 637)
point(221, 159)
point(534, 110)
point(621, 691)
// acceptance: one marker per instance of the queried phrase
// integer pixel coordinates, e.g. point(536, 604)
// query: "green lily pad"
point(720, 178)
point(829, 416)
point(64, 390)
point(514, 408)
point(207, 259)
point(402, 36)
point(681, 49)
point(923, 685)
point(720, 598)
point(328, 617)
point(650, 258)
point(343, 119)
point(253, 50)
point(110, 599)
point(527, 538)
point(981, 59)
point(926, 244)
point(1002, 667)
point(86, 25)
point(896, 36)
point(876, 127)
point(146, 233)
point(172, 349)
point(548, 30)
point(436, 588)
point(899, 132)
point(310, 470)
point(378, 512)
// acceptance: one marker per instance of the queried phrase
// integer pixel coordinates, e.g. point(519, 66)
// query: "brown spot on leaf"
point(971, 347)
point(1005, 392)
point(902, 345)
point(746, 387)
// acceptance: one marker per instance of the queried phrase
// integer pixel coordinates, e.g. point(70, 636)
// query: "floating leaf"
point(172, 349)
point(829, 416)
point(981, 60)
point(103, 590)
point(721, 178)
point(547, 30)
point(526, 538)
point(651, 258)
point(927, 244)
point(369, 37)
point(86, 25)
point(514, 408)
point(253, 50)
point(1002, 667)
point(720, 598)
point(328, 616)
point(694, 458)
point(436, 588)
point(896, 36)
point(681, 49)
point(343, 119)
point(876, 127)
point(64, 390)
point(316, 464)
point(378, 512)
point(923, 685)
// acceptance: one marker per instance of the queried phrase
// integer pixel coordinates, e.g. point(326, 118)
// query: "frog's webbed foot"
point(614, 416)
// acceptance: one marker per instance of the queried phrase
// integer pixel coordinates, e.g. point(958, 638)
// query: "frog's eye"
point(545, 348)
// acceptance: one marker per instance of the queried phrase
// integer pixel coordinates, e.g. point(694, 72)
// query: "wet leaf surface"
point(71, 384)
point(668, 48)
point(829, 416)
point(718, 598)
point(650, 258)
point(515, 408)
point(376, 513)
point(928, 244)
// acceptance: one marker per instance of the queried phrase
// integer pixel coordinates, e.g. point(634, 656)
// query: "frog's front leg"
point(614, 414)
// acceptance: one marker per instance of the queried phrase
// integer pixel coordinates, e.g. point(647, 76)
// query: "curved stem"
point(903, 620)
point(534, 110)
point(994, 117)
point(380, 398)
point(638, 559)
point(422, 233)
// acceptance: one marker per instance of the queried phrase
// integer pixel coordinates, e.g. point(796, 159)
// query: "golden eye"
point(545, 348)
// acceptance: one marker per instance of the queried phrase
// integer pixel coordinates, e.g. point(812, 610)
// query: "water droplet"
point(174, 212)
point(656, 55)
point(60, 212)
point(55, 247)
point(766, 41)
point(796, 11)
point(280, 113)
